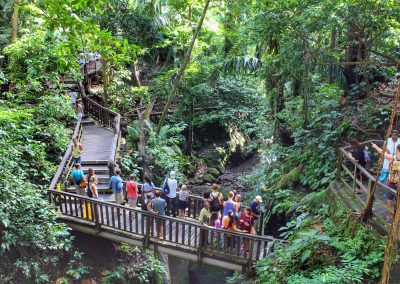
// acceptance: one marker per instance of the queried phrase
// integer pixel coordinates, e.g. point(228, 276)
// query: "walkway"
point(346, 183)
point(96, 142)
point(183, 238)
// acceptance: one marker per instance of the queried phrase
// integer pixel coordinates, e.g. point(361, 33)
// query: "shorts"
point(388, 194)
point(79, 190)
point(131, 201)
point(119, 197)
point(182, 204)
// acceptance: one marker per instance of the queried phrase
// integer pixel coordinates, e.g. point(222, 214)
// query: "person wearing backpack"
point(169, 189)
point(216, 203)
point(79, 180)
point(393, 178)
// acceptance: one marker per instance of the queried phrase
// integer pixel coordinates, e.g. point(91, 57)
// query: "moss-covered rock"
point(213, 171)
point(209, 178)
point(291, 179)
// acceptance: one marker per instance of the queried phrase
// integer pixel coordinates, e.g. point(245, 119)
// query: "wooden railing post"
point(146, 238)
point(96, 217)
point(202, 239)
point(260, 229)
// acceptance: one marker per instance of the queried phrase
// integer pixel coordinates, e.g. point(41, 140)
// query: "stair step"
point(98, 169)
point(101, 187)
point(95, 162)
point(85, 121)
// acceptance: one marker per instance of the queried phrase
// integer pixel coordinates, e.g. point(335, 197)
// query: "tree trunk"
point(181, 71)
point(135, 77)
point(14, 21)
point(332, 47)
point(189, 143)
point(144, 116)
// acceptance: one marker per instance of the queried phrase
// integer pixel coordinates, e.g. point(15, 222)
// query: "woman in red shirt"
point(246, 224)
point(131, 192)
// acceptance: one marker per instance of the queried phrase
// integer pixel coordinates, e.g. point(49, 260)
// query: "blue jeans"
point(78, 160)
point(171, 206)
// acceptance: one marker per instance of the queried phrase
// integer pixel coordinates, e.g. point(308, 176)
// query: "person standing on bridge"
point(391, 146)
point(255, 209)
point(89, 177)
point(147, 188)
point(158, 207)
point(393, 179)
point(77, 150)
point(170, 197)
point(204, 218)
point(357, 156)
point(182, 201)
point(131, 192)
point(78, 177)
point(229, 205)
point(216, 203)
point(117, 186)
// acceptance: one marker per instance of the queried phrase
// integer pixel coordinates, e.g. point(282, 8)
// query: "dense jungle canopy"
point(286, 83)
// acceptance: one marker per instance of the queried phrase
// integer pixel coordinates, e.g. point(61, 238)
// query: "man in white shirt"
point(170, 198)
point(392, 143)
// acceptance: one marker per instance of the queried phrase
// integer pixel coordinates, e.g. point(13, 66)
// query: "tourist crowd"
point(172, 199)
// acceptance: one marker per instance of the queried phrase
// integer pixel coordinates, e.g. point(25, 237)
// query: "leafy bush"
point(32, 139)
point(328, 248)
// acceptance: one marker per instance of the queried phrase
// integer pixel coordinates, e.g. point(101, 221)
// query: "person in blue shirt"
point(78, 176)
point(116, 185)
point(158, 207)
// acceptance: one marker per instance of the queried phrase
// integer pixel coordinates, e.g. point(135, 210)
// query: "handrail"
point(344, 168)
point(369, 176)
point(66, 156)
point(178, 234)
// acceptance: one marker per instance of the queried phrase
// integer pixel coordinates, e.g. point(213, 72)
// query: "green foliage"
point(134, 266)
point(329, 247)
point(32, 139)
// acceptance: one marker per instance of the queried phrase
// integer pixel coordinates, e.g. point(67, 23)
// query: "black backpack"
point(215, 204)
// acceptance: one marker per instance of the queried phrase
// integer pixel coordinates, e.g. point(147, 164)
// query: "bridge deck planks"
point(96, 142)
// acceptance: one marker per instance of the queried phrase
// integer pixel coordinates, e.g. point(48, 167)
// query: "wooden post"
point(260, 229)
point(200, 248)
point(147, 235)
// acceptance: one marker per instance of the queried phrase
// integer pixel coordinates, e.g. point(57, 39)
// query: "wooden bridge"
point(346, 182)
point(185, 238)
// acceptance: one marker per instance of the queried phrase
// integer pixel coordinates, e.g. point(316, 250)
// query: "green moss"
point(213, 171)
point(290, 179)
point(208, 178)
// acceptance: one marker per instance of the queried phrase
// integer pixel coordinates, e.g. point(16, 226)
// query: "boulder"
point(213, 171)
point(209, 178)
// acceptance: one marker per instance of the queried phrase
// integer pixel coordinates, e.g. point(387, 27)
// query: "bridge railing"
point(348, 173)
point(177, 233)
point(64, 168)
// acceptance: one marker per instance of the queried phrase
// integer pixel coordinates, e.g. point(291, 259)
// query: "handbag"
point(82, 184)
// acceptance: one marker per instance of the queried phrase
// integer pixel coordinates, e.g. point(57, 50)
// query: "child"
point(217, 222)
point(367, 158)
point(182, 201)
point(93, 188)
